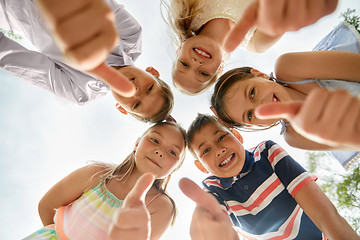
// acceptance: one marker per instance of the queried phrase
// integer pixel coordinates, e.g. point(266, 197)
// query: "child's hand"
point(132, 220)
point(208, 221)
point(327, 117)
point(275, 17)
point(85, 33)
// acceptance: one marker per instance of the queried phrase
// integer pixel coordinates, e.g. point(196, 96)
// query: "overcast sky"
point(44, 138)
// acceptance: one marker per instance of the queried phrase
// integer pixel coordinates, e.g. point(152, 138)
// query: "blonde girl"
point(239, 91)
point(82, 205)
point(200, 28)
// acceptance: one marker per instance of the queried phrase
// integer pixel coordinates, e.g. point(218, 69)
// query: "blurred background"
point(43, 138)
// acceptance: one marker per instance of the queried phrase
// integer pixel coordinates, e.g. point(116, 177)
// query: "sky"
point(43, 138)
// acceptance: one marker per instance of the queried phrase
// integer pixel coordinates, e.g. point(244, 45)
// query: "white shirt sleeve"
point(42, 71)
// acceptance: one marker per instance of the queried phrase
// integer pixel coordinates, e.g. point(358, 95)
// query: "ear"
point(121, 109)
point(153, 71)
point(201, 167)
point(237, 135)
point(257, 73)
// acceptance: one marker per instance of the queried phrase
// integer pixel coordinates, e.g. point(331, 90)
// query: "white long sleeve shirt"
point(46, 67)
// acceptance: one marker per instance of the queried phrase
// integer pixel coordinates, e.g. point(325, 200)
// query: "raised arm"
point(66, 191)
point(323, 213)
point(326, 120)
point(273, 18)
point(318, 64)
point(208, 221)
point(85, 33)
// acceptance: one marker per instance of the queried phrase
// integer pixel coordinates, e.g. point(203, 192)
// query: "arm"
point(274, 18)
point(326, 120)
point(318, 64)
point(85, 33)
point(260, 41)
point(42, 71)
point(323, 213)
point(208, 221)
point(66, 191)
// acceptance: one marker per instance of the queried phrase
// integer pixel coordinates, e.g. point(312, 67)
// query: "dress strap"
point(285, 83)
point(147, 204)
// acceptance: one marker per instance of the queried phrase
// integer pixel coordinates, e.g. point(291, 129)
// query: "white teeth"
point(202, 53)
point(226, 160)
point(274, 99)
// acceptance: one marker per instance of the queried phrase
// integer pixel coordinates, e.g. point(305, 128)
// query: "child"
point(201, 27)
point(266, 193)
point(81, 206)
point(47, 68)
point(253, 88)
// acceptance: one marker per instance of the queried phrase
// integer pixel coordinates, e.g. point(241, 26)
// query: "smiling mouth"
point(275, 99)
point(153, 162)
point(227, 160)
point(202, 53)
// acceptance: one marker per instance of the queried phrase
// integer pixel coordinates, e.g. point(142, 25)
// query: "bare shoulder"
point(160, 204)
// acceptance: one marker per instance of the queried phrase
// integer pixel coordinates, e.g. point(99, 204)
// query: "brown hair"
point(225, 82)
point(200, 121)
point(180, 16)
point(126, 167)
point(165, 109)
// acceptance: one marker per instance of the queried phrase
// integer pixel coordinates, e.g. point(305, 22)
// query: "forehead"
point(207, 132)
point(171, 133)
point(188, 82)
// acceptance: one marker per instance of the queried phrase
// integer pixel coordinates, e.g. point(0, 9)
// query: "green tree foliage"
point(351, 16)
point(342, 187)
point(11, 35)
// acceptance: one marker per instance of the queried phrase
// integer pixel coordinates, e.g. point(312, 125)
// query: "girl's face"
point(198, 61)
point(160, 150)
point(219, 151)
point(148, 98)
point(244, 96)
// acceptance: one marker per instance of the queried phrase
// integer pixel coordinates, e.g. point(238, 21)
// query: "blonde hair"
point(180, 16)
point(126, 167)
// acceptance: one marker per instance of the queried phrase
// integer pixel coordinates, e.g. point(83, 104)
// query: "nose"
point(220, 152)
point(197, 60)
point(159, 153)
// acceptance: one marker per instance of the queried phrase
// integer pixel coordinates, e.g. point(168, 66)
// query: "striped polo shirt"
point(260, 200)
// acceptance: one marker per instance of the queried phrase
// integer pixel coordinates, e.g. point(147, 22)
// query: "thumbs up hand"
point(84, 30)
point(132, 220)
point(208, 221)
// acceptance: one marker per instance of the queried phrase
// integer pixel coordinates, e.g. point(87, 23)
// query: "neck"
point(217, 29)
point(295, 94)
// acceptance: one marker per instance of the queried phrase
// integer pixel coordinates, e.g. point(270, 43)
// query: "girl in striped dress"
point(82, 205)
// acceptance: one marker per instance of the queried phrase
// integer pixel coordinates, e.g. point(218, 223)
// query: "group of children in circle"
point(265, 193)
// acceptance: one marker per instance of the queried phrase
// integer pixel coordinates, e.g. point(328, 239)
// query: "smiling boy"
point(265, 192)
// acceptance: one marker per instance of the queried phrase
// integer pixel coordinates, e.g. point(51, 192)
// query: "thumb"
point(201, 198)
point(137, 195)
point(237, 34)
point(278, 110)
point(117, 81)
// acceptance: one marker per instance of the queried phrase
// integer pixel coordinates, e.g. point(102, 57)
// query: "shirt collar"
point(229, 181)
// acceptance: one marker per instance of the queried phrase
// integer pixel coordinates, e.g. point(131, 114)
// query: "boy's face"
point(148, 98)
point(197, 63)
point(219, 151)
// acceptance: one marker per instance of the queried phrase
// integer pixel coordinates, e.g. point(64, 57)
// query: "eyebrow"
point(201, 144)
point(163, 136)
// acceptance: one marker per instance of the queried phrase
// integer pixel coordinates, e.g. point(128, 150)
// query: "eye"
point(154, 140)
point(206, 150)
point(252, 93)
point(135, 105)
point(184, 64)
point(173, 153)
point(132, 79)
point(221, 138)
point(204, 74)
point(149, 89)
point(250, 115)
